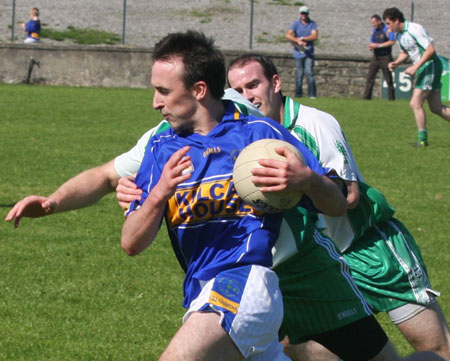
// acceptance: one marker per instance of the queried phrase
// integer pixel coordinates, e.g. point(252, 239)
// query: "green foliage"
point(268, 38)
point(285, 3)
point(68, 292)
point(81, 36)
point(205, 16)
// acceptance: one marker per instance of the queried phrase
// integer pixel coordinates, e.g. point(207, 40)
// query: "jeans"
point(305, 65)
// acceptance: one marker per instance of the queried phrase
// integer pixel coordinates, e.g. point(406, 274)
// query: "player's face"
point(375, 22)
point(250, 81)
point(176, 103)
point(393, 25)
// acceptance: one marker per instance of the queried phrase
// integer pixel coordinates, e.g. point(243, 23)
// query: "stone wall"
point(108, 66)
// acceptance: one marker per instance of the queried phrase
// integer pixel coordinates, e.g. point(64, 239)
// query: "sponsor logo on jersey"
point(221, 301)
point(204, 201)
point(212, 150)
point(347, 313)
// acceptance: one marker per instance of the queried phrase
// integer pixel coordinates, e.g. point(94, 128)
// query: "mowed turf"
point(68, 291)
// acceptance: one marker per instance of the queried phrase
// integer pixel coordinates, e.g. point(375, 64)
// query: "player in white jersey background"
point(417, 44)
point(410, 303)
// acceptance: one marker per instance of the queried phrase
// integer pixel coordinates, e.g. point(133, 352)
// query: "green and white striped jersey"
point(414, 40)
point(323, 135)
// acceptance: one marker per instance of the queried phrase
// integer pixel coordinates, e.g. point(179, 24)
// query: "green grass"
point(68, 291)
point(81, 36)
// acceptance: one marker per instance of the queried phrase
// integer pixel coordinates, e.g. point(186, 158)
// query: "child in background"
point(33, 27)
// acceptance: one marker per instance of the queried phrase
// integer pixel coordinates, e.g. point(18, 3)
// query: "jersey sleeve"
point(129, 162)
point(322, 133)
point(371, 36)
point(244, 106)
point(147, 177)
point(391, 35)
point(423, 39)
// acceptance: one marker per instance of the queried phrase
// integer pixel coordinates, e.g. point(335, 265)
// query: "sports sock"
point(423, 136)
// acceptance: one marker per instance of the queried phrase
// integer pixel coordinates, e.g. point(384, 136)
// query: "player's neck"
point(210, 114)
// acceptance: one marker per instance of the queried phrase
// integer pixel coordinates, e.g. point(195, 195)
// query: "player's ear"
point(276, 83)
point(200, 88)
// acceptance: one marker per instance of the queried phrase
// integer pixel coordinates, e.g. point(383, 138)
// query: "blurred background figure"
point(302, 34)
point(33, 27)
point(418, 45)
point(381, 42)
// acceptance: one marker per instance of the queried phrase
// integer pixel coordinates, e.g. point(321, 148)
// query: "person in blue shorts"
point(418, 45)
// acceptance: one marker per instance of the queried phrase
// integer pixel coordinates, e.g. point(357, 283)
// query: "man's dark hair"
point(268, 66)
point(393, 14)
point(376, 17)
point(202, 60)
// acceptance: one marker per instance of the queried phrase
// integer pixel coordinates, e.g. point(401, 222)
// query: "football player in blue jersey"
point(232, 296)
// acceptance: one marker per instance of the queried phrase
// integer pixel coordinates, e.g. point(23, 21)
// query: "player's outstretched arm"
point(294, 175)
point(80, 191)
point(142, 225)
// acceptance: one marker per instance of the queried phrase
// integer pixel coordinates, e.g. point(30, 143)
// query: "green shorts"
point(319, 294)
point(428, 76)
point(388, 268)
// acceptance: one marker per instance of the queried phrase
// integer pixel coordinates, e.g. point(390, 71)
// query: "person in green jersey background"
point(417, 44)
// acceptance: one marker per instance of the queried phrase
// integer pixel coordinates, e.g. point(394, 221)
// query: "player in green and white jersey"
point(384, 258)
point(417, 44)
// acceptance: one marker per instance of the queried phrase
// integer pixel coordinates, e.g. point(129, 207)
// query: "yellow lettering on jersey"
point(205, 201)
point(211, 150)
point(218, 300)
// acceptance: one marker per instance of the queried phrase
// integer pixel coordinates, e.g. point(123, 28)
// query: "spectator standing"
point(302, 34)
point(33, 27)
point(381, 42)
point(417, 44)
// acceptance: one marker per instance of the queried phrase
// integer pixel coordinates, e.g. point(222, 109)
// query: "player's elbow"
point(129, 248)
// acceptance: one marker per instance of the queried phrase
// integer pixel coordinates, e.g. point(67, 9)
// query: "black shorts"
point(359, 341)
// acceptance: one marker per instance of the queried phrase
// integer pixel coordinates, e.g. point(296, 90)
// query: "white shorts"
point(249, 302)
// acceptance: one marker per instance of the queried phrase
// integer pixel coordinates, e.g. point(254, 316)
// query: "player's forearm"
point(386, 44)
point(86, 188)
point(290, 36)
point(353, 194)
point(401, 58)
point(142, 225)
point(326, 196)
point(427, 55)
point(312, 37)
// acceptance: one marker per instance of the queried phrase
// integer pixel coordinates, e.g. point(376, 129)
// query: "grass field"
point(68, 291)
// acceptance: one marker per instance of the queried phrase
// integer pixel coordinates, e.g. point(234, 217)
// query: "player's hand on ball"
point(31, 206)
point(175, 171)
point(127, 192)
point(276, 175)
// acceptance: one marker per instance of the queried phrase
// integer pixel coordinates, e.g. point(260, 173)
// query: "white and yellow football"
point(268, 202)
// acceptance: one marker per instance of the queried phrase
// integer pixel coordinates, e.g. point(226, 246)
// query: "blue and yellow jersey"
point(210, 227)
